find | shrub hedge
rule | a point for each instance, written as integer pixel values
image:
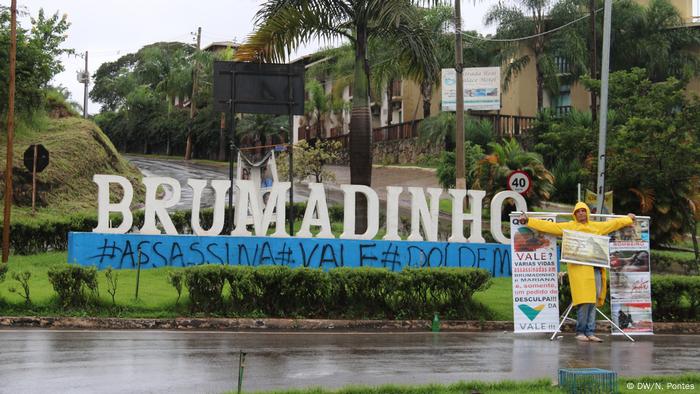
(279, 291)
(675, 298)
(70, 283)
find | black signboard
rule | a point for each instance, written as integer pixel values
(42, 158)
(259, 88)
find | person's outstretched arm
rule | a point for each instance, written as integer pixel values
(615, 224)
(544, 226)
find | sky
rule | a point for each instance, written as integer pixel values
(109, 29)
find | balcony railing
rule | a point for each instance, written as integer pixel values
(508, 125)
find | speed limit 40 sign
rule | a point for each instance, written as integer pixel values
(519, 182)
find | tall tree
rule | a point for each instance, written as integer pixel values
(523, 19)
(286, 24)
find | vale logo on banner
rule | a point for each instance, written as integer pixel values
(531, 312)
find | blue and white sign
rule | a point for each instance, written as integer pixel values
(121, 251)
(481, 85)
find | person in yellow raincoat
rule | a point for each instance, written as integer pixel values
(588, 283)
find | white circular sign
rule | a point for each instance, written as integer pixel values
(519, 182)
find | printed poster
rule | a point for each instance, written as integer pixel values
(481, 85)
(534, 275)
(630, 279)
(584, 248)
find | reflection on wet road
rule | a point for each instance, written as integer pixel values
(186, 362)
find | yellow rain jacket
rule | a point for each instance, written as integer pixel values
(581, 277)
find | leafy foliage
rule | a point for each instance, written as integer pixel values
(310, 161)
(38, 58)
(506, 157)
(446, 167)
(654, 152)
(23, 279)
(365, 292)
(70, 283)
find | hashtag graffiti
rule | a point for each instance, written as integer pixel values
(390, 257)
(107, 251)
(285, 255)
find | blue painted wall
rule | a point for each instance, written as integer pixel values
(120, 251)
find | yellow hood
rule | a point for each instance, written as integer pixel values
(580, 205)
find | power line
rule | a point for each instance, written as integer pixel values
(531, 36)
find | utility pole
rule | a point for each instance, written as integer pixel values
(188, 147)
(593, 61)
(605, 74)
(10, 134)
(86, 83)
(459, 116)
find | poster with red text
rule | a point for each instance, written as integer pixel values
(630, 279)
(534, 274)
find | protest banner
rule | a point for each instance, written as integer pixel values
(585, 248)
(630, 279)
(534, 273)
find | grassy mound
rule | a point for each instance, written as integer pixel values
(78, 149)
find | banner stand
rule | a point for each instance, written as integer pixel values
(566, 316)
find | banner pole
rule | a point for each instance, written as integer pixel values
(563, 319)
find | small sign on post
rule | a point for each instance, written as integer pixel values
(36, 158)
(519, 182)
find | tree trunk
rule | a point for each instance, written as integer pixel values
(390, 95)
(360, 130)
(694, 235)
(540, 86)
(426, 92)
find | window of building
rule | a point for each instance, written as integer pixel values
(562, 102)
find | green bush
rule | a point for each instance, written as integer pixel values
(205, 284)
(70, 282)
(280, 291)
(668, 261)
(3, 271)
(675, 298)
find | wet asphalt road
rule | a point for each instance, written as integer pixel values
(381, 177)
(206, 362)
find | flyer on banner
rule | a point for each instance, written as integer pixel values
(534, 275)
(585, 248)
(630, 279)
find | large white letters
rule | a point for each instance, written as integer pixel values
(220, 187)
(349, 212)
(155, 207)
(316, 203)
(104, 207)
(458, 216)
(248, 197)
(250, 210)
(497, 205)
(421, 214)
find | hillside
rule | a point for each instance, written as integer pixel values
(78, 149)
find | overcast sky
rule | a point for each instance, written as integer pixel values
(108, 29)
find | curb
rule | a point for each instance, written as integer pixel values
(245, 324)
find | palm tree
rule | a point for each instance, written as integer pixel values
(317, 107)
(506, 157)
(286, 24)
(525, 19)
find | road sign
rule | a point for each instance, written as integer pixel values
(519, 181)
(42, 158)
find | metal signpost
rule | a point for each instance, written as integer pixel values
(259, 88)
(36, 158)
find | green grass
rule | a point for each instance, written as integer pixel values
(498, 298)
(78, 149)
(156, 296)
(507, 386)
